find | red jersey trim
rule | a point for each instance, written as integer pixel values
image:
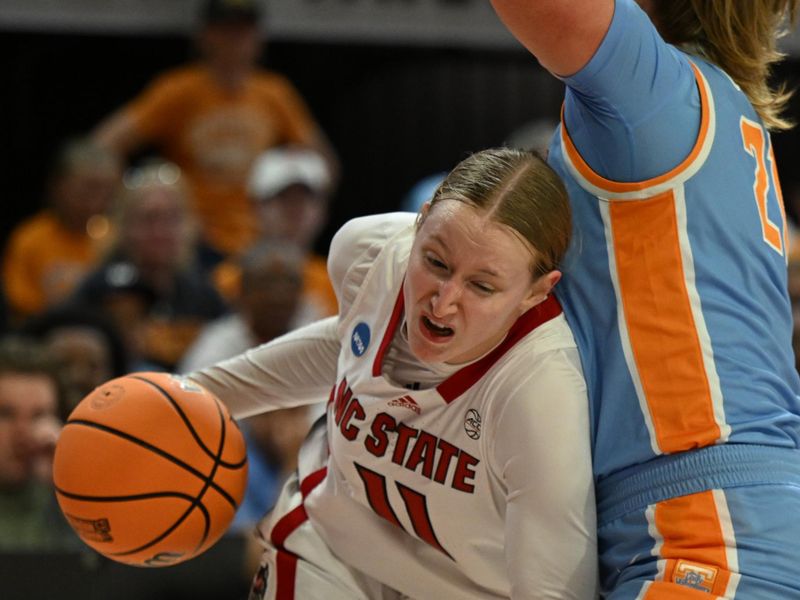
(286, 560)
(460, 381)
(394, 320)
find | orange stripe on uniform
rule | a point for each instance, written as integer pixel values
(693, 546)
(661, 328)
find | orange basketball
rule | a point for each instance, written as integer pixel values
(150, 469)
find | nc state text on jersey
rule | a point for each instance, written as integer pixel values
(413, 448)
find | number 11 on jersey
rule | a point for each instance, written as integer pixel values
(415, 503)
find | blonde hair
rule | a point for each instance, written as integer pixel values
(519, 190)
(739, 36)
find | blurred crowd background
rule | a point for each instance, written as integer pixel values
(170, 190)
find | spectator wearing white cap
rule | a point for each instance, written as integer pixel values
(289, 188)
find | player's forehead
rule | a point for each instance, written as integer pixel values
(467, 234)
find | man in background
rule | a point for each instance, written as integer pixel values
(29, 424)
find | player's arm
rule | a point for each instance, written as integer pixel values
(294, 369)
(541, 450)
(298, 367)
(562, 34)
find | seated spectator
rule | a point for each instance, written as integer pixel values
(289, 190)
(86, 346)
(150, 284)
(268, 305)
(50, 252)
(30, 407)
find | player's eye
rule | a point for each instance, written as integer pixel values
(434, 262)
(483, 288)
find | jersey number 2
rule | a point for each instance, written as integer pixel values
(755, 143)
(416, 505)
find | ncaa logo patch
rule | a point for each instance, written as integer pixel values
(359, 340)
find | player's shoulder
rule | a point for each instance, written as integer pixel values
(548, 350)
(356, 245)
(378, 227)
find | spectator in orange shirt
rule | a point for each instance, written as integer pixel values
(288, 188)
(214, 117)
(49, 253)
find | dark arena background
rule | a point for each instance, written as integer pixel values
(400, 94)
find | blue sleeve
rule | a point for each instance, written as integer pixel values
(633, 111)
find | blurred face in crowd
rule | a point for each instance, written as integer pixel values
(295, 213)
(84, 357)
(271, 294)
(468, 280)
(85, 192)
(231, 45)
(157, 227)
(28, 403)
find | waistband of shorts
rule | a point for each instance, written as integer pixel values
(714, 467)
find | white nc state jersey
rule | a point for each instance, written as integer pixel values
(434, 491)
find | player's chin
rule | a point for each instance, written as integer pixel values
(429, 351)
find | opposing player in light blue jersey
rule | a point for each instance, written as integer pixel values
(676, 287)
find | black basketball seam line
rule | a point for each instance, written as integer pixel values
(169, 530)
(196, 503)
(128, 498)
(188, 497)
(217, 461)
(156, 450)
(187, 422)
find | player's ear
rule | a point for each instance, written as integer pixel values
(539, 290)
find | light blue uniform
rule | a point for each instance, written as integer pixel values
(675, 287)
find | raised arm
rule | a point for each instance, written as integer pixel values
(562, 34)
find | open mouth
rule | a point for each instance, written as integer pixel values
(436, 330)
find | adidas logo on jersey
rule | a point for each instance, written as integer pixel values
(406, 402)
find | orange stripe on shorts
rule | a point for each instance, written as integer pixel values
(693, 547)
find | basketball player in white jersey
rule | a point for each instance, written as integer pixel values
(454, 459)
